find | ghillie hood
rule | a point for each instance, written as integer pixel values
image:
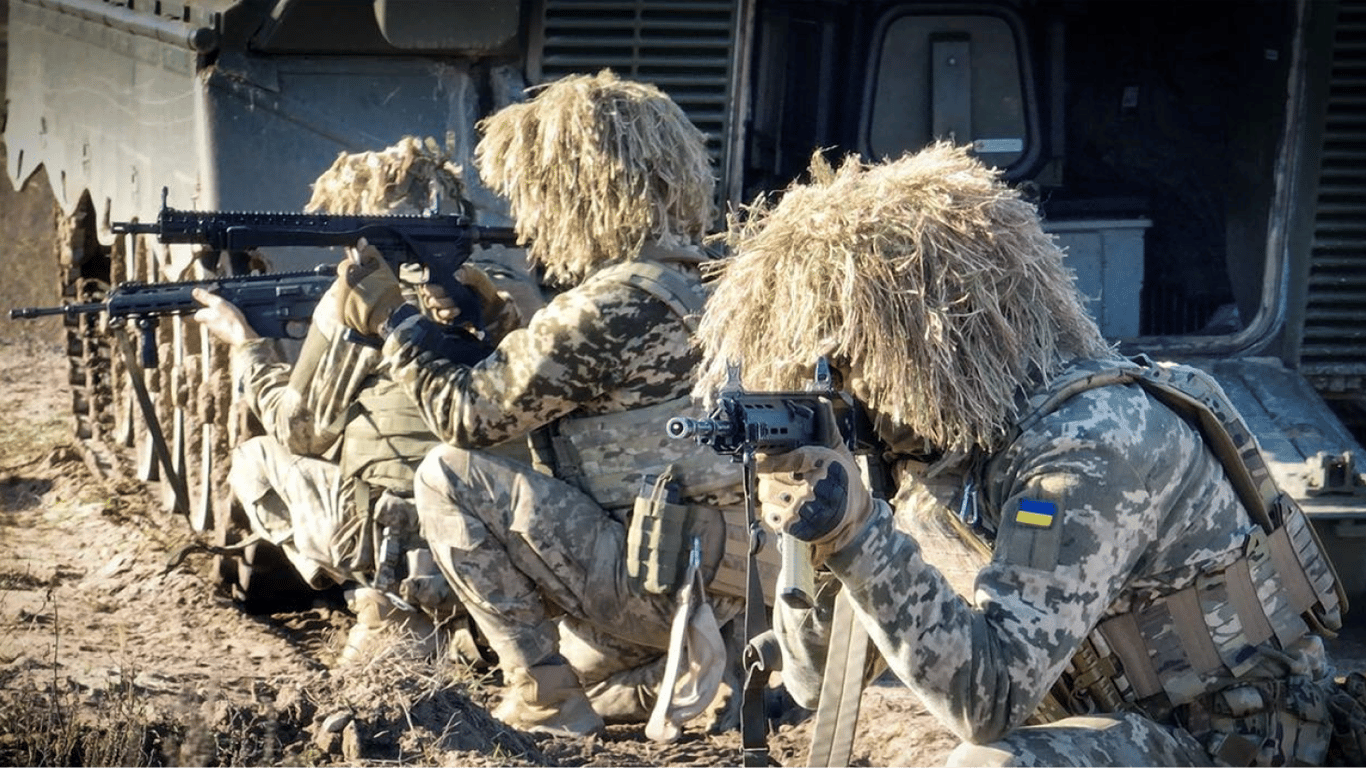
(593, 168)
(926, 280)
(403, 178)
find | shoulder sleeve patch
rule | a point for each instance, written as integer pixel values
(1031, 532)
(1036, 512)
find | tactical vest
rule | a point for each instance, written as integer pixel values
(381, 431)
(1279, 590)
(609, 455)
(385, 437)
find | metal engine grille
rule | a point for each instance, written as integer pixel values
(1333, 345)
(685, 47)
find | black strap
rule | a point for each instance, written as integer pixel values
(149, 414)
(760, 656)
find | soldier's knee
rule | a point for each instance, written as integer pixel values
(434, 476)
(249, 473)
(443, 499)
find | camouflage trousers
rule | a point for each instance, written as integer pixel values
(1116, 739)
(306, 507)
(521, 548)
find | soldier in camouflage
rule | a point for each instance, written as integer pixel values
(1065, 574)
(330, 483)
(611, 186)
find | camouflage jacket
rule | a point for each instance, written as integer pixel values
(335, 404)
(601, 347)
(309, 419)
(1140, 508)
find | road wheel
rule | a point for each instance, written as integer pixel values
(260, 578)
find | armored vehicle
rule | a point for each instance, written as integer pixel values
(1206, 176)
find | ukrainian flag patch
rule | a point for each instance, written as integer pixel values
(1036, 513)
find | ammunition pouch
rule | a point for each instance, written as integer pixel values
(659, 538)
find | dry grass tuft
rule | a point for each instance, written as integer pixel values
(428, 709)
(594, 167)
(926, 279)
(48, 719)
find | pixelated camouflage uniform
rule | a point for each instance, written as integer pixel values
(345, 430)
(340, 433)
(1143, 510)
(519, 545)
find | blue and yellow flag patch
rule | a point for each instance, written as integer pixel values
(1036, 513)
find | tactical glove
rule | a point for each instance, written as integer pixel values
(815, 494)
(367, 290)
(500, 315)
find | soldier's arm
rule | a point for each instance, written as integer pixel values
(303, 406)
(982, 667)
(260, 378)
(580, 350)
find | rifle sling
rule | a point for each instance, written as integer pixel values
(758, 664)
(832, 738)
(182, 495)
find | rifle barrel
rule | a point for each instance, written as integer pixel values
(70, 310)
(135, 228)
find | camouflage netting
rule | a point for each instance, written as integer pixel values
(398, 179)
(927, 279)
(593, 168)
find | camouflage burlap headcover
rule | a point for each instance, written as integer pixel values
(400, 179)
(927, 280)
(593, 168)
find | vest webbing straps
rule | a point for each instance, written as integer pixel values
(668, 285)
(1172, 650)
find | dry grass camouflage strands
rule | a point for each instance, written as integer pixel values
(593, 168)
(401, 179)
(927, 279)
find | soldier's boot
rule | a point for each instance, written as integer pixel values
(627, 696)
(385, 629)
(547, 698)
(466, 646)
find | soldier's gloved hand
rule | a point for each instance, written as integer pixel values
(500, 315)
(815, 494)
(223, 319)
(367, 290)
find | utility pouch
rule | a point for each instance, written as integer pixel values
(656, 540)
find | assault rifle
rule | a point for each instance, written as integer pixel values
(277, 305)
(440, 243)
(741, 425)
